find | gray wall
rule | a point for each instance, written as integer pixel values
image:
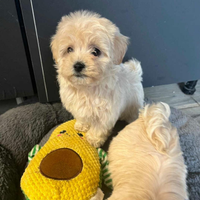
(164, 34)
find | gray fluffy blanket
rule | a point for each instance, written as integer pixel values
(20, 129)
(23, 127)
(189, 133)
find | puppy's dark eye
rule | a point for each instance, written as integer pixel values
(69, 49)
(96, 52)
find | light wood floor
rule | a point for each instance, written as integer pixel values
(171, 94)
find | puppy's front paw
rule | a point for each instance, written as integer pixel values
(94, 140)
(81, 127)
(99, 195)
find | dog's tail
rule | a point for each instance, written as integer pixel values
(135, 66)
(171, 175)
(158, 128)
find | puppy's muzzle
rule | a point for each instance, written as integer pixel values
(78, 67)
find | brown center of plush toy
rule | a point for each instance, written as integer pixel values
(61, 164)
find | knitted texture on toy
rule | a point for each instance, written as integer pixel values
(83, 187)
(105, 174)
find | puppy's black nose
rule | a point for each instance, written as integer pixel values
(79, 66)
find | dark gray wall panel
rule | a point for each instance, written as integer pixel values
(164, 34)
(15, 79)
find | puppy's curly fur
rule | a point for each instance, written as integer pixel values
(146, 160)
(94, 86)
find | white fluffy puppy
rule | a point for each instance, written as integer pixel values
(94, 86)
(146, 161)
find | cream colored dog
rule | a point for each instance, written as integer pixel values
(146, 161)
(94, 86)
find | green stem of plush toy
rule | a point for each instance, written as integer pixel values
(105, 174)
(33, 152)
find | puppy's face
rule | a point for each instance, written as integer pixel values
(85, 46)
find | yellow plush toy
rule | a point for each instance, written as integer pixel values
(67, 167)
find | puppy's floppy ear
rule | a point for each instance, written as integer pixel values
(120, 47)
(55, 38)
(119, 41)
(158, 128)
(54, 48)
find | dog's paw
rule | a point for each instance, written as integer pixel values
(99, 195)
(81, 127)
(94, 140)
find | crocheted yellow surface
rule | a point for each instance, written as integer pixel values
(47, 177)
